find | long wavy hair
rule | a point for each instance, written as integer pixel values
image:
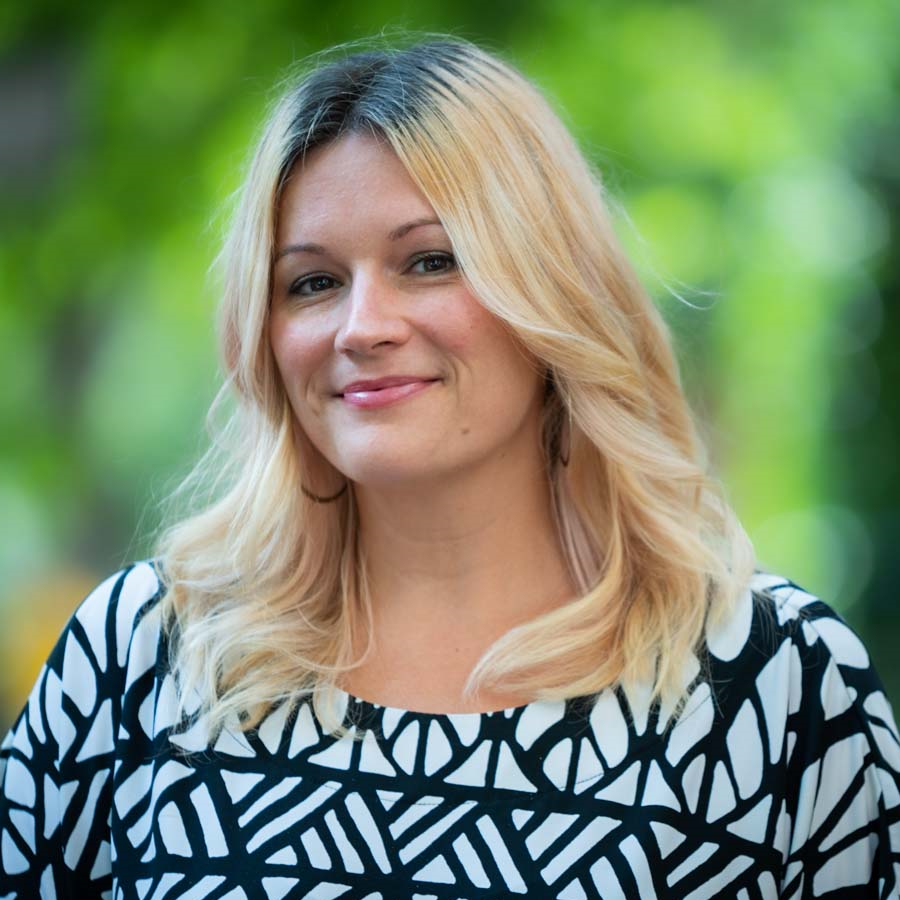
(265, 587)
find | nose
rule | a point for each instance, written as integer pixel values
(372, 317)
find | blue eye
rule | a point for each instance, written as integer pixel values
(433, 263)
(310, 285)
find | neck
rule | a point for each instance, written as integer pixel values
(479, 551)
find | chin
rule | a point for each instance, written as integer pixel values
(388, 469)
(390, 475)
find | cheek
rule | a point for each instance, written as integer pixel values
(499, 383)
(465, 328)
(297, 353)
(500, 356)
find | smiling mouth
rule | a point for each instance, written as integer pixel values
(380, 384)
(371, 395)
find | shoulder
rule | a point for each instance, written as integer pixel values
(829, 650)
(63, 744)
(843, 749)
(112, 636)
(798, 750)
(794, 659)
(113, 611)
(122, 611)
(773, 610)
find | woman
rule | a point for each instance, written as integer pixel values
(466, 616)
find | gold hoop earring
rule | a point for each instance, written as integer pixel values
(316, 498)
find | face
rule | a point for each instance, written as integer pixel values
(395, 372)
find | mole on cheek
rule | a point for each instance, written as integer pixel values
(465, 431)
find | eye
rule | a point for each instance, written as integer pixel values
(433, 263)
(310, 285)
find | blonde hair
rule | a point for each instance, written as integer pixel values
(264, 586)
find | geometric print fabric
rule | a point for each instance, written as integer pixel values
(780, 778)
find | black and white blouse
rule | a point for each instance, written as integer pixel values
(780, 779)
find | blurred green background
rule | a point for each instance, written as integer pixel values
(754, 149)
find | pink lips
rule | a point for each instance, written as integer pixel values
(383, 391)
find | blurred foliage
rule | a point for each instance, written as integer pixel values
(752, 151)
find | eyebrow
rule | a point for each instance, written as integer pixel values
(404, 230)
(395, 235)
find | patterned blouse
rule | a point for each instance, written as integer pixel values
(781, 778)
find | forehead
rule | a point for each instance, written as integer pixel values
(357, 176)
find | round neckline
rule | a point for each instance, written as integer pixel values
(507, 712)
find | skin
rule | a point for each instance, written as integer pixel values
(453, 496)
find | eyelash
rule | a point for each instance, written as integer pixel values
(445, 257)
(297, 287)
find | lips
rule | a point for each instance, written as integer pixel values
(380, 384)
(378, 392)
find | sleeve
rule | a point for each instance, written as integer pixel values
(56, 762)
(844, 807)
